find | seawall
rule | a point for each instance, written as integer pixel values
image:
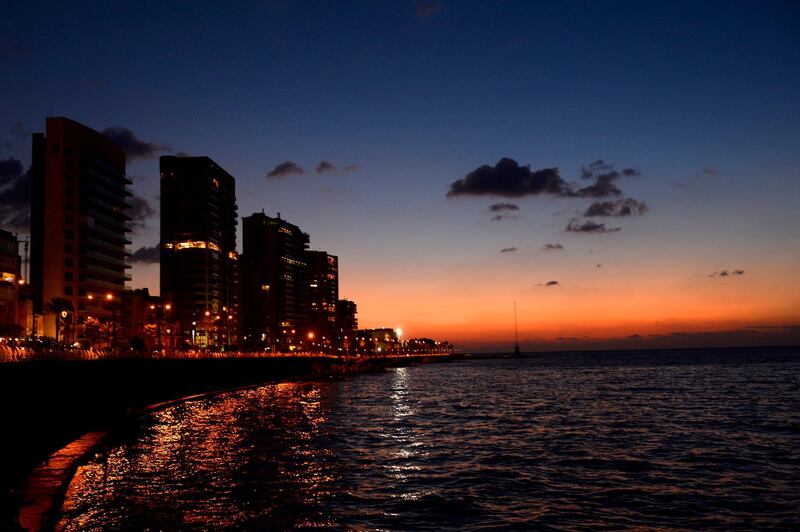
(45, 405)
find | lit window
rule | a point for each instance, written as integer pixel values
(194, 244)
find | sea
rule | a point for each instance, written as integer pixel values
(659, 440)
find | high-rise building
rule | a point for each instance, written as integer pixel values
(323, 283)
(274, 282)
(199, 263)
(346, 325)
(79, 223)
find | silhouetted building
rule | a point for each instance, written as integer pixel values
(346, 325)
(379, 340)
(79, 221)
(199, 263)
(274, 282)
(323, 284)
(9, 285)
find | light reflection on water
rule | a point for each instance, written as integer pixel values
(566, 443)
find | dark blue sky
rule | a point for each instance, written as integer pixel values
(419, 94)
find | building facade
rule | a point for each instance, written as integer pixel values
(79, 225)
(323, 290)
(10, 281)
(346, 325)
(199, 262)
(274, 283)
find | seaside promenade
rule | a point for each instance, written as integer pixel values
(65, 398)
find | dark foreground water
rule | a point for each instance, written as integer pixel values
(692, 440)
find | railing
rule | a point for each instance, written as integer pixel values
(19, 353)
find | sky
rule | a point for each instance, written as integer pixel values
(627, 172)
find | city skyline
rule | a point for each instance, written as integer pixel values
(661, 197)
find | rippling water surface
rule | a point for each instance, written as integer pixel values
(693, 440)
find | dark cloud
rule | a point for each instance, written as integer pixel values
(351, 168)
(499, 217)
(15, 196)
(507, 178)
(146, 255)
(286, 169)
(133, 146)
(577, 225)
(552, 247)
(710, 170)
(726, 273)
(325, 166)
(508, 250)
(618, 208)
(10, 169)
(429, 8)
(598, 265)
(605, 177)
(140, 212)
(551, 283)
(500, 207)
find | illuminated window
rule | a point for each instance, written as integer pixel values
(232, 255)
(194, 244)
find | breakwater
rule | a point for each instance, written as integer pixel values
(48, 404)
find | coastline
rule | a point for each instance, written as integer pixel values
(34, 491)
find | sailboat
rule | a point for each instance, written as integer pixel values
(516, 332)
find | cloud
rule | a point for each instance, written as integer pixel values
(500, 207)
(508, 250)
(726, 273)
(140, 212)
(351, 168)
(710, 170)
(499, 217)
(134, 147)
(553, 247)
(618, 208)
(598, 265)
(508, 179)
(577, 225)
(286, 169)
(15, 196)
(146, 255)
(325, 166)
(551, 283)
(605, 177)
(429, 8)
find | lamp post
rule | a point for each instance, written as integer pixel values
(112, 307)
(160, 311)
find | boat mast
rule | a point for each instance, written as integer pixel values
(516, 333)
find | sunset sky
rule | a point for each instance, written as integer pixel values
(690, 109)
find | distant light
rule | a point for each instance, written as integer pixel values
(311, 335)
(168, 306)
(90, 296)
(109, 296)
(399, 331)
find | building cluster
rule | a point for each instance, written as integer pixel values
(276, 295)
